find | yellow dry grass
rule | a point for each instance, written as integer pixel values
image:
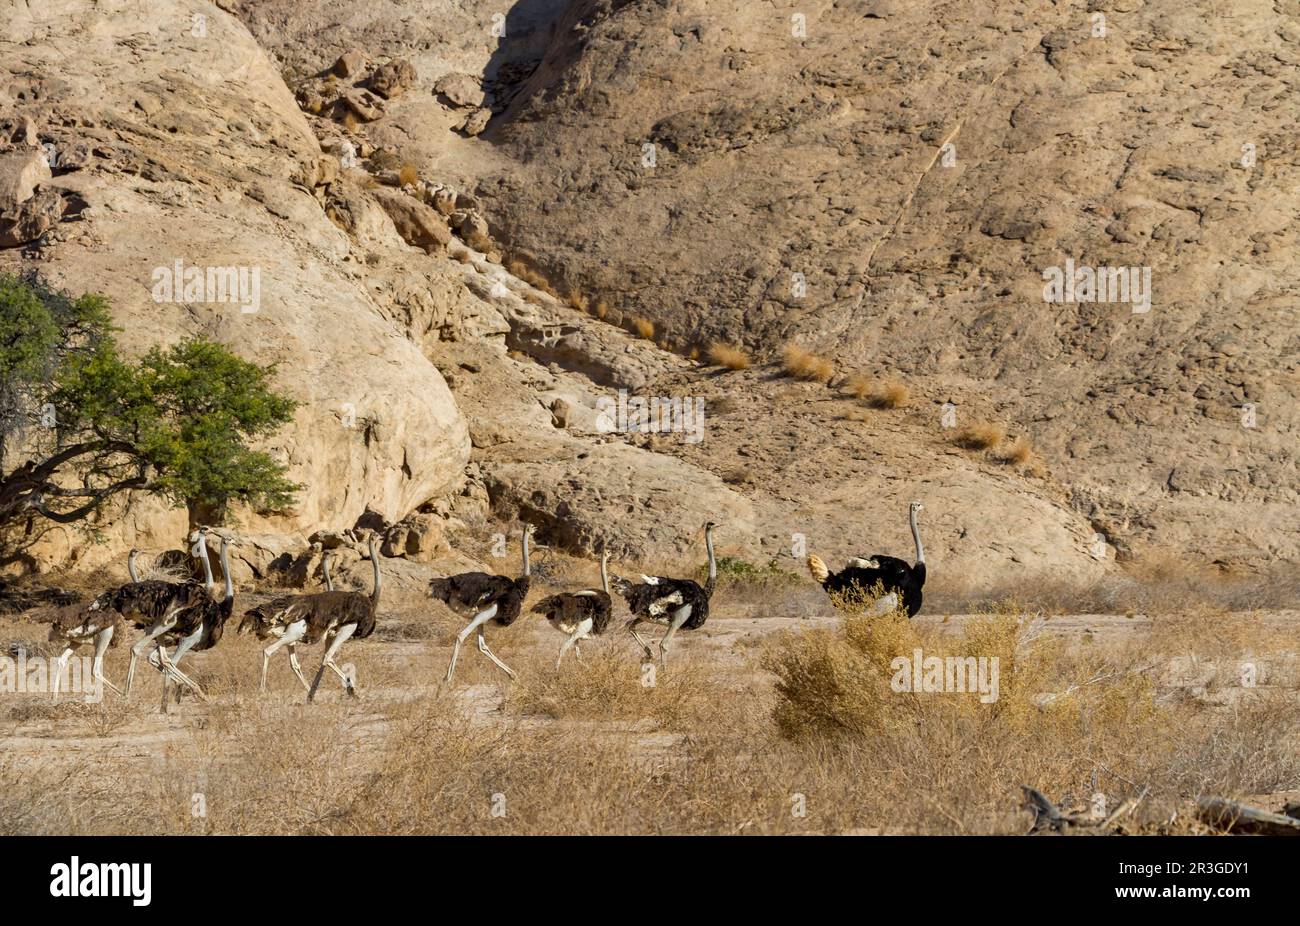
(878, 393)
(725, 355)
(980, 435)
(643, 327)
(732, 737)
(801, 363)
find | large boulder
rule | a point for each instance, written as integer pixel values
(207, 150)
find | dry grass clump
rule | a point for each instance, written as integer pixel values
(643, 327)
(578, 300)
(1018, 452)
(804, 364)
(1086, 719)
(725, 355)
(878, 393)
(981, 435)
(407, 175)
(532, 277)
(608, 685)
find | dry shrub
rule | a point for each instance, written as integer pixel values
(878, 393)
(725, 355)
(607, 685)
(407, 175)
(578, 301)
(349, 120)
(643, 327)
(1019, 452)
(803, 364)
(602, 309)
(980, 435)
(1067, 720)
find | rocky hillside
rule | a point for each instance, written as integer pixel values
(416, 182)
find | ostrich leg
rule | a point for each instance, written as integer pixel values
(182, 648)
(479, 620)
(483, 648)
(680, 617)
(328, 660)
(152, 634)
(296, 666)
(580, 632)
(631, 626)
(292, 635)
(59, 665)
(102, 639)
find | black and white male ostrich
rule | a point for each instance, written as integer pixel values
(483, 597)
(901, 582)
(333, 616)
(199, 628)
(682, 604)
(579, 614)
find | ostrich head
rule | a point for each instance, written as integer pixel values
(915, 507)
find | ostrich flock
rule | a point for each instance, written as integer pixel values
(187, 615)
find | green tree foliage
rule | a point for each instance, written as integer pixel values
(79, 423)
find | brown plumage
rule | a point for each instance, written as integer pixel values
(333, 616)
(567, 610)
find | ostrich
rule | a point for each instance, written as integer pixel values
(682, 604)
(325, 570)
(200, 627)
(333, 616)
(901, 582)
(76, 624)
(579, 614)
(154, 606)
(486, 597)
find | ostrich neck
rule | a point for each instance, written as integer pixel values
(202, 547)
(604, 572)
(916, 537)
(130, 566)
(225, 568)
(374, 563)
(325, 568)
(708, 545)
(526, 566)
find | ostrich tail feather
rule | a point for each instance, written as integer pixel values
(818, 568)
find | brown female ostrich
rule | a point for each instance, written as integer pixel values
(483, 597)
(73, 626)
(154, 607)
(579, 614)
(335, 617)
(200, 628)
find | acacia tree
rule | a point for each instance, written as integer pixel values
(79, 424)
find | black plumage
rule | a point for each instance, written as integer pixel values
(581, 614)
(474, 591)
(888, 574)
(567, 610)
(484, 598)
(655, 599)
(682, 604)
